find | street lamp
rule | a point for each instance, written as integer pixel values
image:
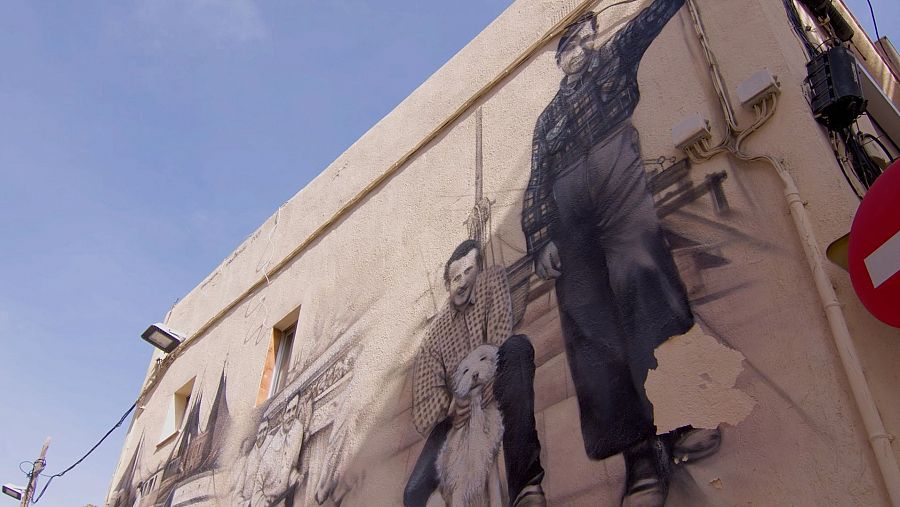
(162, 337)
(13, 491)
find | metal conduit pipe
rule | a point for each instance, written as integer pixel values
(878, 437)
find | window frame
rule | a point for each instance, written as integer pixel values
(278, 359)
(176, 415)
(282, 365)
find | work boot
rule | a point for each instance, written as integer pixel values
(692, 444)
(647, 471)
(531, 496)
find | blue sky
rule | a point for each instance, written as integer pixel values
(140, 143)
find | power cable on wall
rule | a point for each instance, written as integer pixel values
(875, 24)
(108, 433)
(799, 30)
(865, 169)
(830, 64)
(842, 162)
(879, 439)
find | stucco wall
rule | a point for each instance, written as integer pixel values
(369, 286)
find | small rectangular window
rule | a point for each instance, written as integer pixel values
(178, 407)
(282, 360)
(278, 358)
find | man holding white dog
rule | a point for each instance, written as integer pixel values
(478, 312)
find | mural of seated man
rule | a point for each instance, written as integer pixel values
(477, 312)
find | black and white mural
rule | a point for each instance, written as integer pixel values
(519, 369)
(591, 225)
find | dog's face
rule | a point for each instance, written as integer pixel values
(475, 370)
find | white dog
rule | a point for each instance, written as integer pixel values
(467, 464)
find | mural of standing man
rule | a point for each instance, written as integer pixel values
(590, 223)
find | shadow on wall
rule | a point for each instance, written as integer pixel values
(189, 470)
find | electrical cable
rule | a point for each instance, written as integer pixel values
(794, 18)
(875, 139)
(879, 440)
(862, 163)
(875, 24)
(841, 160)
(50, 479)
(610, 6)
(716, 75)
(27, 472)
(879, 129)
(827, 42)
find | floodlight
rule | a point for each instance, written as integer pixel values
(162, 337)
(14, 491)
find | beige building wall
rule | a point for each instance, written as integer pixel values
(361, 252)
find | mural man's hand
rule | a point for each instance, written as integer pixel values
(548, 265)
(461, 411)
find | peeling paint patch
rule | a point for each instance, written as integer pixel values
(694, 383)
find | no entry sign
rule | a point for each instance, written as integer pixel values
(874, 251)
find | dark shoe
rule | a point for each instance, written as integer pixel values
(647, 470)
(693, 444)
(531, 496)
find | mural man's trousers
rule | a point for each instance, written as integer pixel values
(514, 392)
(619, 294)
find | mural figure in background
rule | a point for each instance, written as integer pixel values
(477, 312)
(278, 474)
(590, 223)
(244, 475)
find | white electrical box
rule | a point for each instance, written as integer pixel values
(758, 86)
(690, 130)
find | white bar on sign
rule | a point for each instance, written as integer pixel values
(884, 262)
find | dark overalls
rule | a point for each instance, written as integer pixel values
(620, 295)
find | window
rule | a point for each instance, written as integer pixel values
(181, 400)
(278, 359)
(282, 360)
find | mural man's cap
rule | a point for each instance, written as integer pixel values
(573, 29)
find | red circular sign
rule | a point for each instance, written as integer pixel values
(874, 251)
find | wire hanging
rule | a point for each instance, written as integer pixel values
(50, 479)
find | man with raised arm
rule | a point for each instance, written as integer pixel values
(590, 223)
